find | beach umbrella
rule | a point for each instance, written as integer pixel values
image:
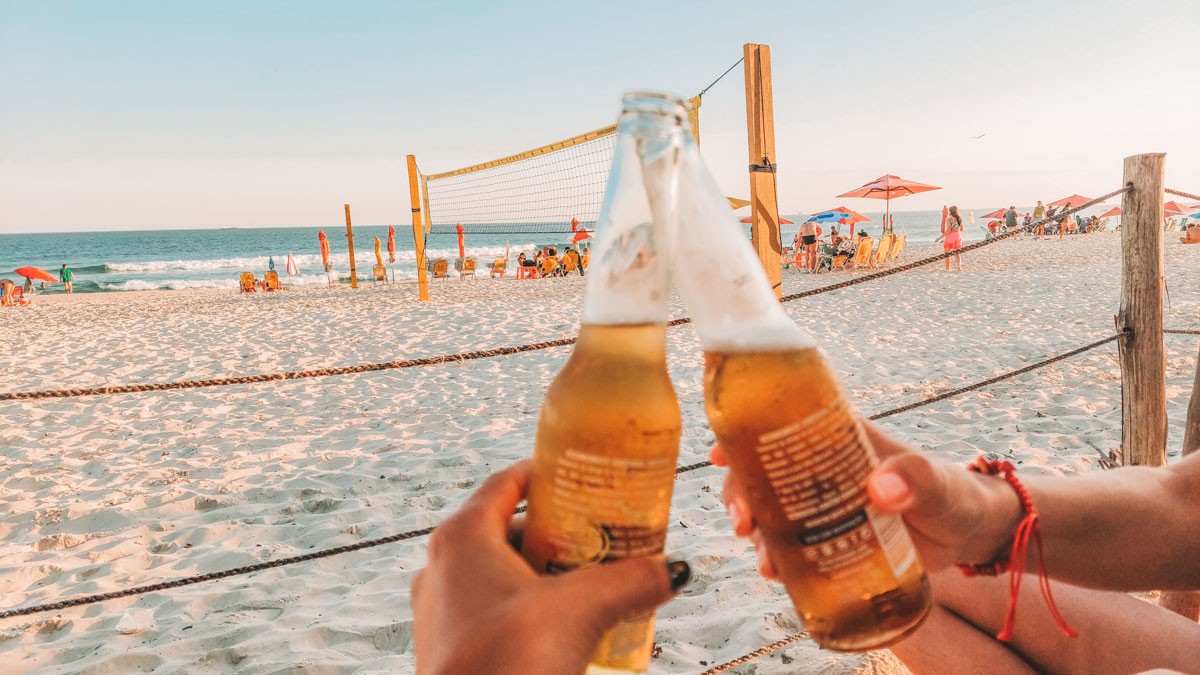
(462, 251)
(291, 267)
(580, 235)
(574, 224)
(391, 244)
(1073, 200)
(324, 254)
(736, 203)
(841, 215)
(378, 252)
(1173, 208)
(994, 215)
(1114, 211)
(30, 272)
(782, 220)
(887, 188)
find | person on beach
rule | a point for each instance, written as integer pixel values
(572, 253)
(7, 290)
(1010, 219)
(952, 238)
(66, 277)
(479, 607)
(28, 288)
(1065, 223)
(1039, 214)
(808, 244)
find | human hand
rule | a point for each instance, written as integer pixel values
(953, 515)
(479, 607)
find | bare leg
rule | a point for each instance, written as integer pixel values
(1117, 632)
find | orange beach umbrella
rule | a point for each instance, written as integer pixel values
(324, 251)
(391, 244)
(30, 272)
(888, 187)
(378, 255)
(1073, 200)
(782, 220)
(1114, 211)
(462, 250)
(1175, 208)
(998, 213)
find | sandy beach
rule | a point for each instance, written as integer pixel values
(105, 492)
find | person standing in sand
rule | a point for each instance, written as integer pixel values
(7, 287)
(66, 277)
(1039, 213)
(952, 240)
(1010, 219)
(808, 244)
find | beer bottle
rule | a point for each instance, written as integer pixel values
(786, 424)
(608, 435)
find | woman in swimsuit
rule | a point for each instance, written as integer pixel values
(953, 240)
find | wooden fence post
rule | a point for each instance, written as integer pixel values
(1187, 603)
(350, 245)
(1143, 360)
(760, 128)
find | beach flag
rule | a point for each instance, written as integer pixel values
(462, 250)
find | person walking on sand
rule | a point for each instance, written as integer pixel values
(1010, 219)
(66, 277)
(808, 243)
(1039, 213)
(952, 240)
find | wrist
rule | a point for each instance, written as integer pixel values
(997, 524)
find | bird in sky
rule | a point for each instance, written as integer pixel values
(979, 136)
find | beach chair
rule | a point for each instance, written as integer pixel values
(549, 266)
(570, 264)
(885, 247)
(468, 267)
(18, 297)
(838, 263)
(247, 283)
(379, 272)
(587, 256)
(441, 269)
(862, 255)
(271, 281)
(499, 265)
(897, 248)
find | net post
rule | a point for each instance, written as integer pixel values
(1143, 358)
(350, 246)
(414, 195)
(425, 201)
(760, 127)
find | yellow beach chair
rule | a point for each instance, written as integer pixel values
(441, 269)
(468, 267)
(499, 266)
(271, 281)
(897, 248)
(884, 249)
(862, 254)
(379, 272)
(247, 283)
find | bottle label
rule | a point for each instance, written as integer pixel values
(818, 468)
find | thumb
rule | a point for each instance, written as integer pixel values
(619, 590)
(909, 483)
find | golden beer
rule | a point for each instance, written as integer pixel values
(604, 468)
(802, 458)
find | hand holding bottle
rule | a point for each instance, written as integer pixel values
(479, 607)
(953, 515)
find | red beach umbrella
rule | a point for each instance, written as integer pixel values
(574, 224)
(462, 250)
(580, 235)
(998, 213)
(1173, 208)
(30, 272)
(324, 249)
(391, 244)
(887, 188)
(1114, 211)
(782, 220)
(1073, 200)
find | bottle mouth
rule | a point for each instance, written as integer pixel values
(654, 102)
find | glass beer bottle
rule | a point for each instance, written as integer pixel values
(787, 427)
(608, 435)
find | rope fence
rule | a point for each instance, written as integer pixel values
(1178, 193)
(413, 534)
(502, 351)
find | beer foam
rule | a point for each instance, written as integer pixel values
(765, 336)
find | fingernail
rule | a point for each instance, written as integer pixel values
(680, 573)
(736, 515)
(890, 487)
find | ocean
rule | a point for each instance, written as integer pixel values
(214, 258)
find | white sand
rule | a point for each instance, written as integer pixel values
(104, 492)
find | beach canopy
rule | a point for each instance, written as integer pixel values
(462, 250)
(1073, 200)
(841, 215)
(391, 244)
(1173, 208)
(888, 187)
(782, 220)
(30, 272)
(1114, 211)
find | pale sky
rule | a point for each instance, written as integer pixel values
(127, 114)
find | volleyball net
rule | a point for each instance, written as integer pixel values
(546, 191)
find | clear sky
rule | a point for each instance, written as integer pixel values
(128, 114)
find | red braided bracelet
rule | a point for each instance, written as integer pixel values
(1015, 563)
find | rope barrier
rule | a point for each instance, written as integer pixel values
(499, 351)
(1178, 193)
(371, 543)
(1176, 331)
(755, 654)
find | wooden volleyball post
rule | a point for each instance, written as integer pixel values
(760, 129)
(414, 195)
(1143, 359)
(350, 245)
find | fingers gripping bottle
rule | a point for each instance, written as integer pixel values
(608, 435)
(787, 426)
